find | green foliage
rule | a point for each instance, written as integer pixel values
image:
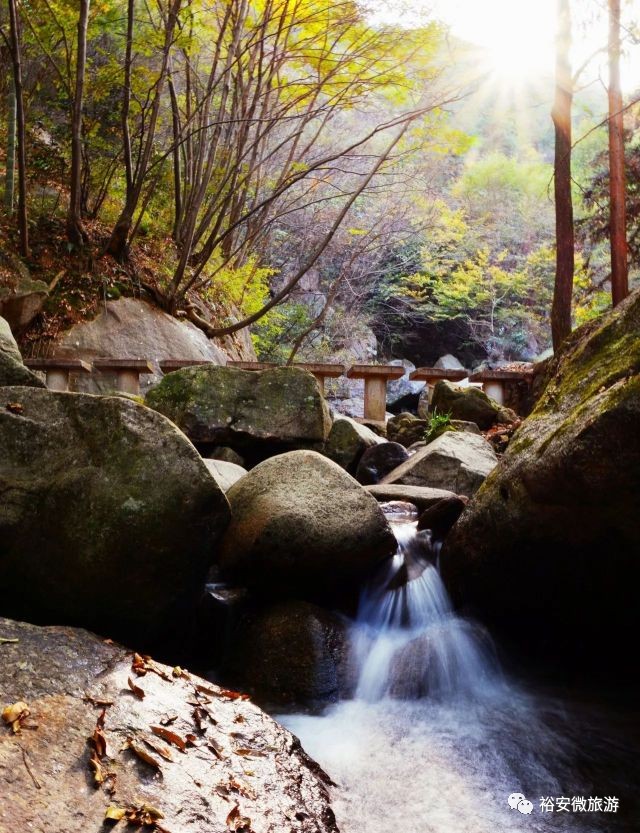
(438, 425)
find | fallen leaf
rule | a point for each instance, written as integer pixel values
(145, 816)
(139, 693)
(142, 753)
(205, 690)
(159, 749)
(99, 775)
(237, 822)
(6, 641)
(15, 407)
(15, 714)
(99, 741)
(233, 695)
(170, 737)
(216, 749)
(180, 672)
(115, 813)
(95, 702)
(167, 721)
(246, 752)
(142, 664)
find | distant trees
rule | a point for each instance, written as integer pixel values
(15, 41)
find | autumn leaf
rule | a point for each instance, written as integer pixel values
(216, 749)
(233, 695)
(158, 748)
(237, 822)
(16, 714)
(99, 775)
(115, 813)
(142, 753)
(15, 407)
(170, 737)
(138, 692)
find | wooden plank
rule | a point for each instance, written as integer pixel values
(251, 365)
(73, 365)
(433, 374)
(139, 365)
(381, 371)
(169, 365)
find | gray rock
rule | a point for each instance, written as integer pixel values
(132, 328)
(226, 454)
(398, 388)
(378, 461)
(63, 674)
(109, 517)
(441, 517)
(256, 413)
(348, 440)
(21, 297)
(406, 429)
(225, 474)
(291, 652)
(558, 519)
(462, 425)
(421, 496)
(12, 370)
(301, 523)
(449, 362)
(458, 462)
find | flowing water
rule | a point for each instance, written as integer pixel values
(435, 739)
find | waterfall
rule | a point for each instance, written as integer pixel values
(407, 642)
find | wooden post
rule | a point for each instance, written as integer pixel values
(375, 387)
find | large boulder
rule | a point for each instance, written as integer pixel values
(301, 523)
(548, 550)
(290, 652)
(21, 297)
(105, 734)
(468, 403)
(12, 370)
(256, 413)
(348, 440)
(108, 518)
(378, 461)
(457, 461)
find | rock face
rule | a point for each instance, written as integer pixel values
(131, 328)
(225, 474)
(300, 523)
(469, 404)
(241, 770)
(291, 652)
(378, 461)
(348, 440)
(12, 370)
(441, 517)
(548, 550)
(457, 461)
(256, 413)
(108, 517)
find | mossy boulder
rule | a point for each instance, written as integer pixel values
(407, 429)
(12, 369)
(548, 550)
(301, 524)
(347, 442)
(21, 297)
(470, 404)
(108, 519)
(257, 414)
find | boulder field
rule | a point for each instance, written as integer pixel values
(109, 518)
(549, 549)
(110, 735)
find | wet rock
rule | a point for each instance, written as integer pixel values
(257, 413)
(238, 764)
(558, 519)
(225, 474)
(458, 462)
(406, 429)
(348, 440)
(378, 461)
(469, 404)
(12, 369)
(291, 652)
(441, 517)
(109, 517)
(301, 523)
(421, 496)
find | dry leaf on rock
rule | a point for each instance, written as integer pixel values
(170, 737)
(16, 714)
(137, 691)
(238, 822)
(142, 753)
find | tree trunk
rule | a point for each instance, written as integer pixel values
(10, 177)
(75, 233)
(561, 115)
(617, 179)
(16, 60)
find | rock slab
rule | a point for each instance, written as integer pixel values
(207, 773)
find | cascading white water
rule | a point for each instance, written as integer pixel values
(407, 641)
(435, 741)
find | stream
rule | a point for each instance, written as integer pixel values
(438, 740)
